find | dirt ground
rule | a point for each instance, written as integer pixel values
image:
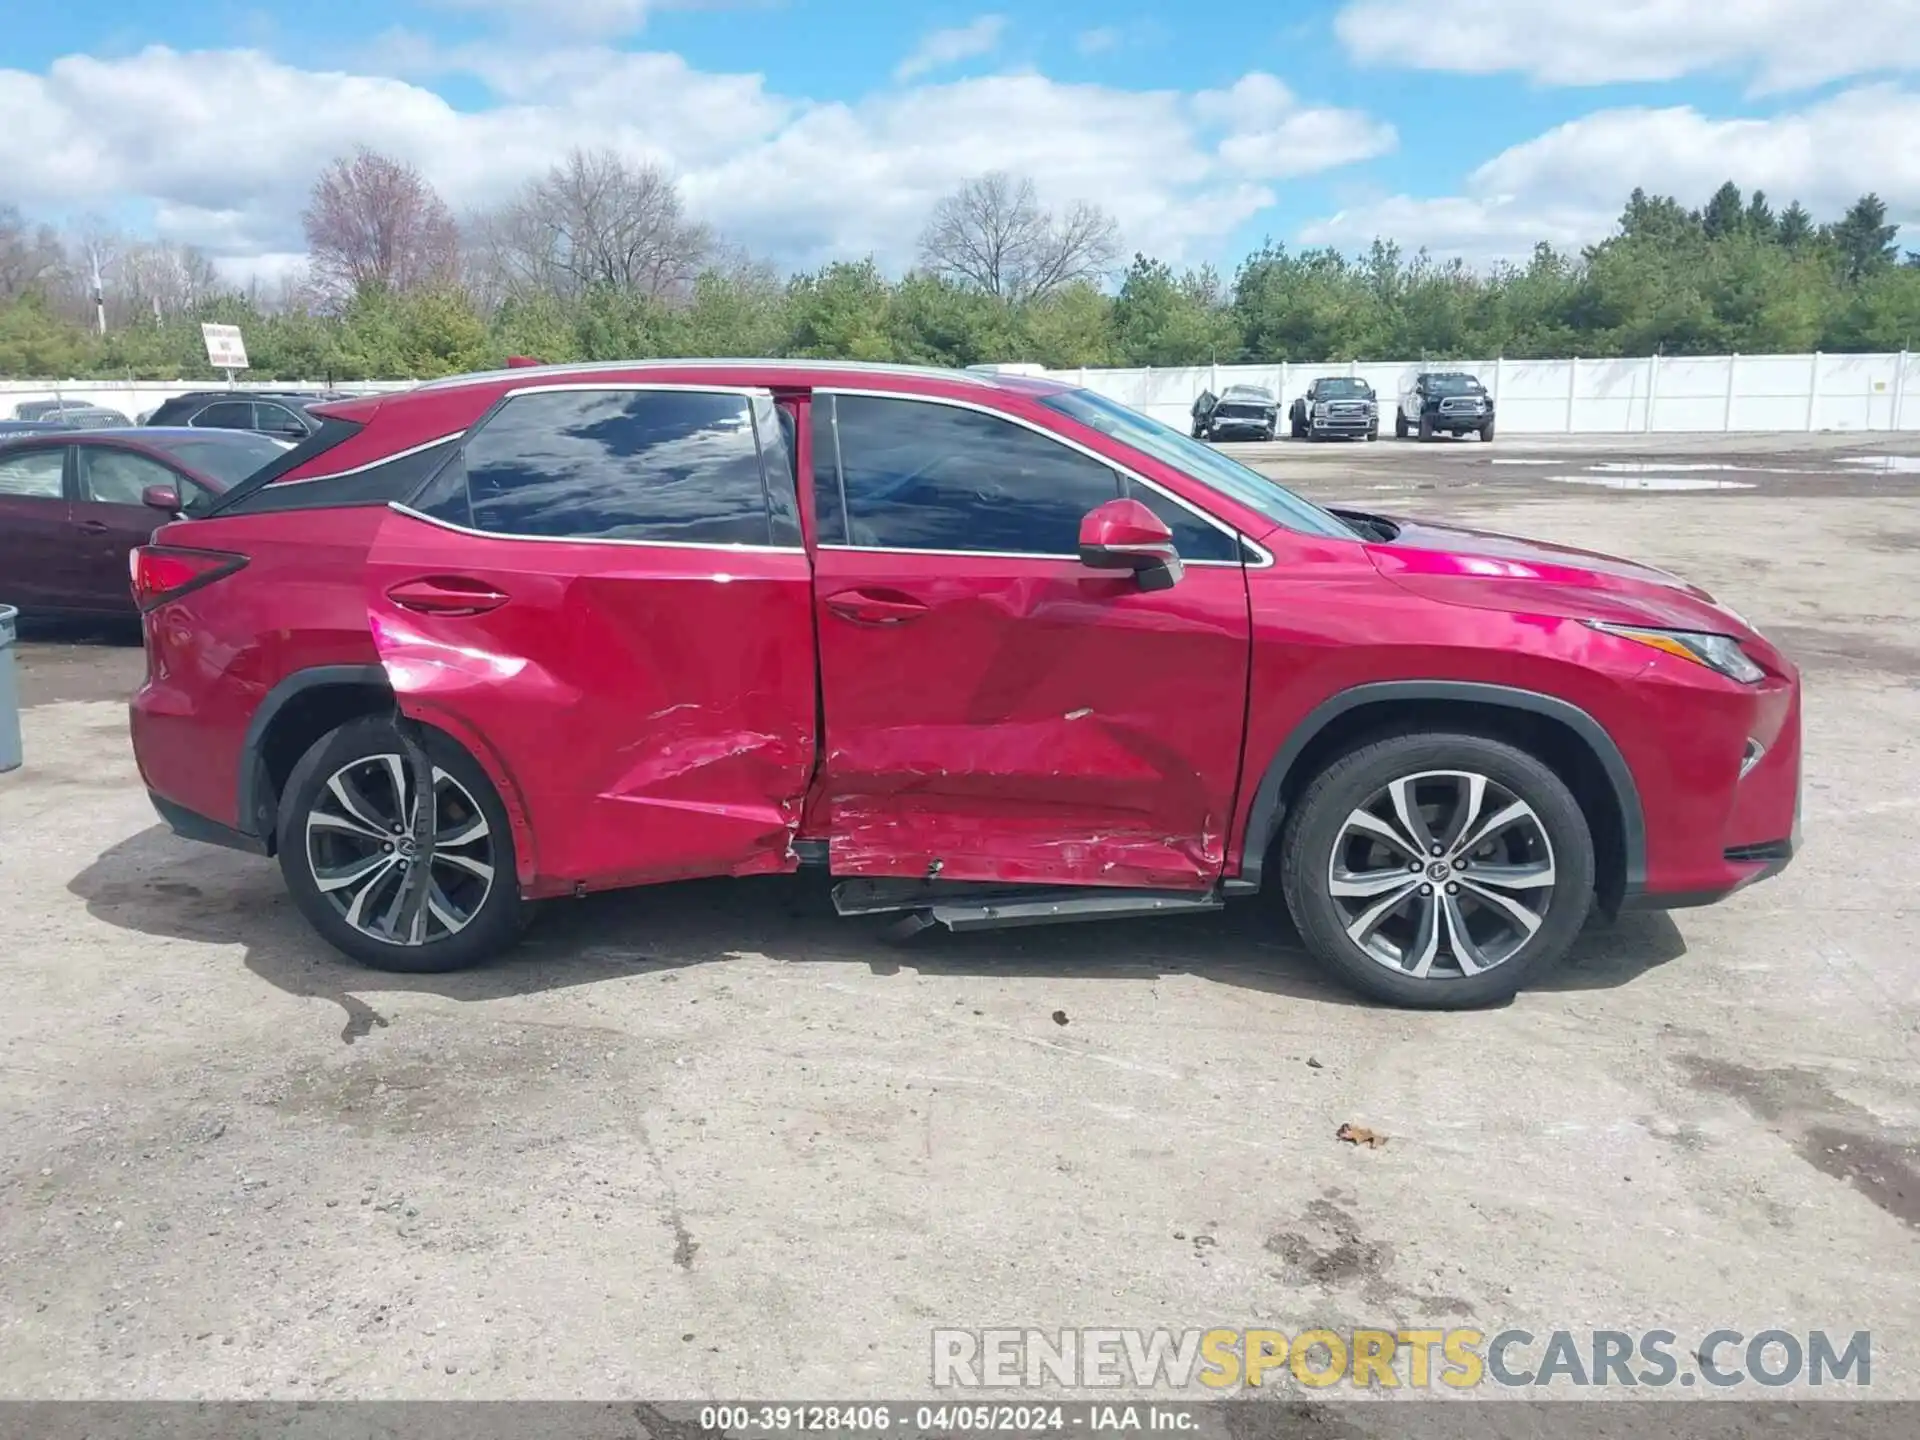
(711, 1141)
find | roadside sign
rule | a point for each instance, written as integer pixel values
(225, 349)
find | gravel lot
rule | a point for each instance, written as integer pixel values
(709, 1140)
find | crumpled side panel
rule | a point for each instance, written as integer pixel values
(655, 707)
(1031, 721)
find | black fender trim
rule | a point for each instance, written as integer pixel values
(255, 810)
(1263, 821)
(191, 825)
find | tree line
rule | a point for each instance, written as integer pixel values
(599, 259)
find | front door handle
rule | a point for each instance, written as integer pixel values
(446, 595)
(94, 527)
(875, 607)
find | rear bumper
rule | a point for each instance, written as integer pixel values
(189, 825)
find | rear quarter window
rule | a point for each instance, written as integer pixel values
(673, 466)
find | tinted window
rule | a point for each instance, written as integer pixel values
(921, 476)
(614, 465)
(228, 460)
(117, 477)
(226, 415)
(277, 419)
(775, 428)
(1201, 462)
(1193, 537)
(33, 472)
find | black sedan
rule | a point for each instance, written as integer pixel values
(74, 503)
(1244, 412)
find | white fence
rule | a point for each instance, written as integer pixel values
(1650, 395)
(1617, 397)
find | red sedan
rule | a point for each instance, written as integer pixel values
(74, 503)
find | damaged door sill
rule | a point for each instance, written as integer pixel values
(962, 906)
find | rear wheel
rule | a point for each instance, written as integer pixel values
(386, 879)
(1438, 871)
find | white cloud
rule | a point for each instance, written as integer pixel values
(1099, 40)
(1569, 185)
(798, 180)
(1271, 136)
(579, 17)
(942, 48)
(1780, 44)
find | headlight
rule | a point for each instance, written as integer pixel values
(1716, 652)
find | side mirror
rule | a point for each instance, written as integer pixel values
(1126, 535)
(162, 497)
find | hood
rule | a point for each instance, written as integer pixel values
(1490, 571)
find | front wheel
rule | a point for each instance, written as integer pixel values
(1373, 432)
(387, 878)
(1400, 425)
(1486, 432)
(1426, 429)
(1438, 871)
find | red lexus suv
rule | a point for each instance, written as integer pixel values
(993, 651)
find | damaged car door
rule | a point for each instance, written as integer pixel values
(607, 583)
(995, 709)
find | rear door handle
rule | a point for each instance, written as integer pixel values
(446, 595)
(875, 607)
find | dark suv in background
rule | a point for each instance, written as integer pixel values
(1443, 402)
(282, 414)
(1245, 411)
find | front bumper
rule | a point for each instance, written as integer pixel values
(1342, 424)
(1241, 425)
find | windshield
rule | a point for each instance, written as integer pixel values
(1202, 462)
(226, 462)
(1454, 385)
(1341, 389)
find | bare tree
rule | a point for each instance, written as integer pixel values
(595, 219)
(30, 255)
(375, 222)
(993, 233)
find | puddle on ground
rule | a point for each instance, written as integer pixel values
(1898, 464)
(1651, 482)
(1649, 467)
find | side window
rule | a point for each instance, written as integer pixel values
(115, 477)
(1193, 537)
(34, 473)
(276, 420)
(612, 465)
(917, 475)
(226, 415)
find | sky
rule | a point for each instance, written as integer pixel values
(814, 130)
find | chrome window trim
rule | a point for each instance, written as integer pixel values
(750, 392)
(400, 507)
(784, 366)
(1266, 556)
(371, 464)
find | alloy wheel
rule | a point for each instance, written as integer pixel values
(387, 877)
(1442, 874)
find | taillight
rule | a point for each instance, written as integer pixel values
(166, 572)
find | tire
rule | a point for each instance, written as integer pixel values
(322, 828)
(1486, 433)
(1268, 434)
(1320, 835)
(1426, 429)
(1399, 424)
(1373, 432)
(1299, 428)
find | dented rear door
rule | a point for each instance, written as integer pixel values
(606, 595)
